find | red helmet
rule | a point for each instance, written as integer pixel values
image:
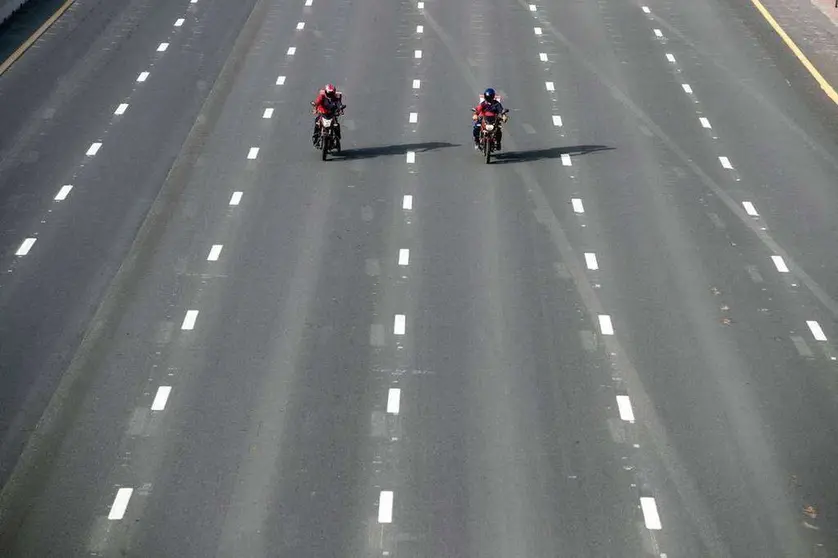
(330, 90)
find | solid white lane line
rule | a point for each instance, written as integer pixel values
(393, 400)
(269, 112)
(557, 120)
(646, 10)
(385, 507)
(687, 88)
(63, 192)
(605, 324)
(94, 148)
(725, 162)
(121, 108)
(658, 33)
(566, 160)
(189, 320)
(816, 330)
(543, 56)
(404, 256)
(25, 246)
(590, 261)
(417, 54)
(411, 157)
(549, 85)
(280, 80)
(120, 503)
(750, 209)
(398, 324)
(142, 77)
(291, 51)
(236, 198)
(253, 153)
(577, 205)
(624, 405)
(160, 399)
(670, 57)
(179, 22)
(650, 513)
(537, 30)
(162, 47)
(214, 252)
(420, 29)
(407, 203)
(416, 84)
(780, 263)
(414, 117)
(704, 122)
(301, 25)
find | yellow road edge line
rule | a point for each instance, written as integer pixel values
(35, 36)
(828, 89)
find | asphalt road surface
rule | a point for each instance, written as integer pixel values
(616, 340)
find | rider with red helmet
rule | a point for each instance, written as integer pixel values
(328, 100)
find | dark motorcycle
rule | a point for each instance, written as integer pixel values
(489, 127)
(329, 137)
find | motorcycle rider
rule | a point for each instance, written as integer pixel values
(489, 106)
(328, 100)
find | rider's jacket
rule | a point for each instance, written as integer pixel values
(487, 108)
(325, 105)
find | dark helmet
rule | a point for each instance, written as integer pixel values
(489, 94)
(330, 91)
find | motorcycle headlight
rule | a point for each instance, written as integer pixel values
(327, 122)
(490, 127)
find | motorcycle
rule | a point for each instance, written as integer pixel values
(489, 127)
(329, 137)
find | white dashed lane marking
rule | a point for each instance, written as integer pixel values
(253, 153)
(646, 10)
(407, 202)
(750, 209)
(658, 33)
(650, 513)
(301, 25)
(404, 256)
(557, 120)
(25, 246)
(280, 80)
(670, 57)
(704, 122)
(780, 264)
(63, 192)
(385, 507)
(420, 29)
(413, 117)
(624, 406)
(215, 252)
(161, 398)
(236, 198)
(309, 2)
(590, 261)
(398, 324)
(121, 109)
(94, 148)
(393, 400)
(420, 5)
(605, 324)
(411, 157)
(416, 84)
(269, 112)
(687, 88)
(120, 503)
(537, 30)
(189, 320)
(532, 7)
(577, 205)
(549, 85)
(543, 56)
(417, 54)
(142, 77)
(162, 47)
(179, 22)
(291, 51)
(725, 162)
(566, 160)
(816, 330)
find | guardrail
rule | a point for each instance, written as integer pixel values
(8, 7)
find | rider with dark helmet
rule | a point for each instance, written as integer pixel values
(489, 106)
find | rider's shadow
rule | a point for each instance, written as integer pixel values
(388, 150)
(529, 156)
